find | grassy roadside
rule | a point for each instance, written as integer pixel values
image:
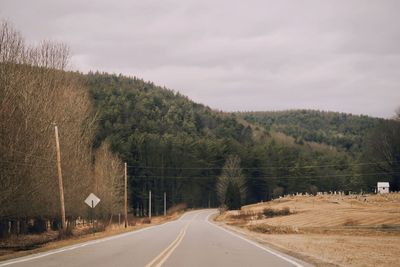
(7, 254)
(326, 230)
(268, 243)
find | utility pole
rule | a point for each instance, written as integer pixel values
(126, 196)
(165, 203)
(60, 180)
(150, 204)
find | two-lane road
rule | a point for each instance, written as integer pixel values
(191, 241)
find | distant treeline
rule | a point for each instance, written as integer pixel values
(341, 130)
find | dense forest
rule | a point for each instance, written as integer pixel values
(176, 146)
(196, 155)
(341, 130)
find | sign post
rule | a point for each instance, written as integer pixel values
(92, 200)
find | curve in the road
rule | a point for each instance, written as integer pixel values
(192, 240)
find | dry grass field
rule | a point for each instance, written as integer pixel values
(327, 230)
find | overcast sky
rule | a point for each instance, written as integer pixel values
(234, 55)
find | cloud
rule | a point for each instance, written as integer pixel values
(235, 55)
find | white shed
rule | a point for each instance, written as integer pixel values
(383, 187)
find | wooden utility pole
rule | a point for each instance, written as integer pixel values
(165, 203)
(60, 180)
(126, 196)
(150, 204)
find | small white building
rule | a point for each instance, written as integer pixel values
(382, 187)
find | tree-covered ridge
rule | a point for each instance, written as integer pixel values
(341, 130)
(170, 143)
(175, 145)
(130, 104)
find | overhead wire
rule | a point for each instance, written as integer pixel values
(24, 164)
(261, 168)
(272, 176)
(28, 155)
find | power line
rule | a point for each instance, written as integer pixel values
(24, 164)
(29, 156)
(260, 168)
(276, 176)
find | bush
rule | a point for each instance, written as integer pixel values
(277, 192)
(313, 190)
(272, 229)
(222, 209)
(269, 213)
(38, 226)
(146, 220)
(177, 208)
(243, 215)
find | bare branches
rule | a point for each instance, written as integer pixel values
(11, 44)
(231, 185)
(33, 94)
(109, 184)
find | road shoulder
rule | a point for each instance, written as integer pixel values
(303, 260)
(80, 240)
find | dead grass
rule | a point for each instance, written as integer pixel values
(334, 210)
(249, 215)
(350, 222)
(329, 229)
(271, 229)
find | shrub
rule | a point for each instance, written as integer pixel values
(269, 213)
(38, 226)
(177, 208)
(146, 220)
(272, 229)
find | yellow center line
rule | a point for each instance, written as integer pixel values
(164, 255)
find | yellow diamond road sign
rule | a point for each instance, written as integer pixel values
(92, 200)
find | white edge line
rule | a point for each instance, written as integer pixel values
(254, 243)
(88, 243)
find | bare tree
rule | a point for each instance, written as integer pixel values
(35, 92)
(109, 182)
(231, 185)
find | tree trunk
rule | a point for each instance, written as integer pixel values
(4, 228)
(23, 226)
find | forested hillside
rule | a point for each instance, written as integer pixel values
(176, 146)
(170, 143)
(341, 130)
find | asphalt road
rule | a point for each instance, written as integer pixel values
(189, 241)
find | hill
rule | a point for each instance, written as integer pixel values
(340, 130)
(177, 146)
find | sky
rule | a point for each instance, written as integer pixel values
(337, 55)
